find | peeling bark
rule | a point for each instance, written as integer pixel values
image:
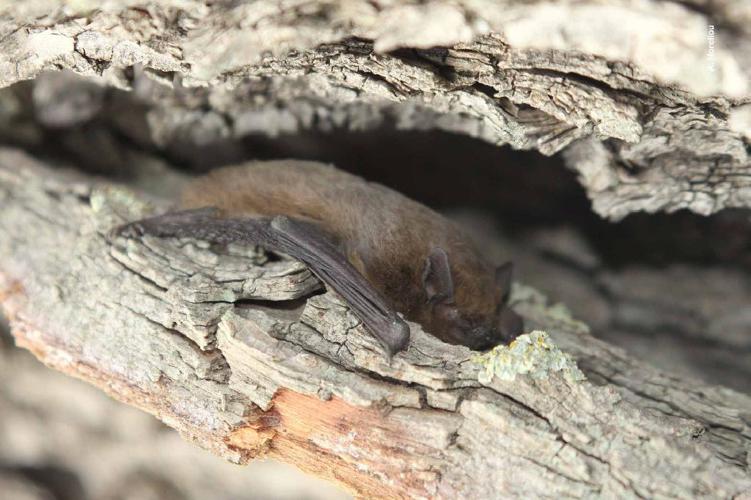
(251, 357)
(649, 117)
(229, 348)
(62, 438)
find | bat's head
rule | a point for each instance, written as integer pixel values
(476, 316)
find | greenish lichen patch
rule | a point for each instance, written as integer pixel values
(532, 303)
(532, 353)
(107, 198)
(114, 205)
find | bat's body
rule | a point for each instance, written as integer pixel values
(412, 259)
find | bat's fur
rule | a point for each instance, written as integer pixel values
(385, 235)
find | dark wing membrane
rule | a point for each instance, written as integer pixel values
(310, 244)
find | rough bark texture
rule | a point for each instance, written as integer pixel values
(62, 439)
(648, 101)
(199, 337)
(648, 98)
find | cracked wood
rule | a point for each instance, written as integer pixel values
(645, 116)
(175, 328)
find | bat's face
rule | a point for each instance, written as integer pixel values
(485, 320)
(476, 332)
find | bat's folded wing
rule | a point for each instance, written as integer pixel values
(310, 244)
(298, 239)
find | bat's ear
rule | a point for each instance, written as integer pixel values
(503, 279)
(436, 277)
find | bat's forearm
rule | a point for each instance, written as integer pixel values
(308, 243)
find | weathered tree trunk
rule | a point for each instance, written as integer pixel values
(165, 328)
(648, 101)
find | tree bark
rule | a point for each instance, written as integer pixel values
(649, 100)
(224, 346)
(62, 438)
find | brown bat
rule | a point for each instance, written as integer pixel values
(380, 250)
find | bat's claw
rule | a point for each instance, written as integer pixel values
(396, 338)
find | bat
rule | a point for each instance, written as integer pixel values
(381, 251)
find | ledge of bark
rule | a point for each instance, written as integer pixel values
(227, 347)
(624, 88)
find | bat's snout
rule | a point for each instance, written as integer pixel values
(509, 325)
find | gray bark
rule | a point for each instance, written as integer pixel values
(230, 349)
(650, 105)
(175, 328)
(61, 438)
